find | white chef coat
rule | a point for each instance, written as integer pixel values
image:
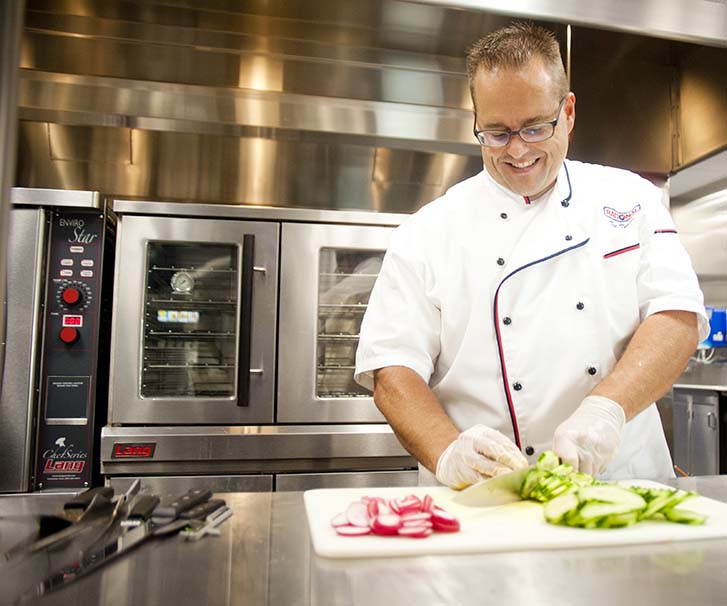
(514, 310)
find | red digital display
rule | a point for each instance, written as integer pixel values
(72, 320)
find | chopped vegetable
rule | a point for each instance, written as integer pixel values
(409, 516)
(578, 500)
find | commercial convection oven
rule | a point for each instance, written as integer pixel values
(233, 344)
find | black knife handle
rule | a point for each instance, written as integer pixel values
(201, 511)
(183, 503)
(144, 507)
(83, 499)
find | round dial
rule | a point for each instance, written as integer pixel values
(69, 335)
(73, 294)
(182, 282)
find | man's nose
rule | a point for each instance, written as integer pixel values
(517, 148)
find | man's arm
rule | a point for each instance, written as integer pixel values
(657, 353)
(414, 413)
(655, 357)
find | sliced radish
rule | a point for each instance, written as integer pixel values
(414, 532)
(394, 506)
(340, 519)
(418, 523)
(386, 524)
(372, 508)
(417, 515)
(357, 514)
(427, 503)
(352, 531)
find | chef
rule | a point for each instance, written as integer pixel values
(541, 304)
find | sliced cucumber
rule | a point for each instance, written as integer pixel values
(683, 516)
(556, 509)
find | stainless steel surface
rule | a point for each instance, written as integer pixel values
(55, 197)
(255, 449)
(176, 485)
(700, 21)
(18, 399)
(11, 22)
(256, 213)
(702, 226)
(709, 377)
(126, 400)
(699, 179)
(302, 323)
(263, 557)
(342, 105)
(288, 482)
(696, 432)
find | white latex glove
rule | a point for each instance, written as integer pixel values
(476, 454)
(589, 439)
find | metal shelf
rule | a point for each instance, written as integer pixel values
(195, 270)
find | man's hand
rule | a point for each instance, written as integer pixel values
(589, 439)
(478, 453)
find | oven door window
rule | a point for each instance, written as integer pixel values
(345, 280)
(190, 321)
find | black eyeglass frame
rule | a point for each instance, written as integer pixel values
(510, 133)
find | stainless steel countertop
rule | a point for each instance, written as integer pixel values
(264, 558)
(710, 377)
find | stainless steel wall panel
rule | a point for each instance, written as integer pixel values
(190, 167)
(287, 482)
(702, 103)
(623, 84)
(25, 293)
(172, 486)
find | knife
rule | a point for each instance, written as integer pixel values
(499, 490)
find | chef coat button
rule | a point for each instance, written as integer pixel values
(580, 305)
(506, 321)
(529, 450)
(569, 238)
(517, 386)
(503, 215)
(592, 370)
(565, 204)
(501, 261)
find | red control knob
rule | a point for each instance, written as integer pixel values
(71, 296)
(69, 335)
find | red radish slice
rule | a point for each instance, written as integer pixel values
(372, 508)
(386, 524)
(414, 532)
(439, 515)
(352, 531)
(340, 519)
(394, 506)
(427, 503)
(438, 527)
(357, 514)
(418, 523)
(417, 515)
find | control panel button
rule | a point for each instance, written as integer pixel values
(71, 296)
(87, 262)
(66, 273)
(76, 249)
(87, 273)
(67, 262)
(69, 335)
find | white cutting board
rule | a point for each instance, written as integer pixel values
(513, 527)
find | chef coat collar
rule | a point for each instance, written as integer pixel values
(561, 191)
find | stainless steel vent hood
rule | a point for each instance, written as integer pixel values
(333, 104)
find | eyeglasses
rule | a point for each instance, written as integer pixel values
(533, 133)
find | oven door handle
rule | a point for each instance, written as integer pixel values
(244, 342)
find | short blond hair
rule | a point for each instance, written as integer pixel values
(512, 47)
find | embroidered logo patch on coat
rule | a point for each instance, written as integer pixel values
(619, 218)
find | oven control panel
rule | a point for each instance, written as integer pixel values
(70, 355)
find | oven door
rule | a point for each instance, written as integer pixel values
(194, 321)
(327, 273)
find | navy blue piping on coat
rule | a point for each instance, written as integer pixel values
(505, 383)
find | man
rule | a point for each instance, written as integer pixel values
(542, 303)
